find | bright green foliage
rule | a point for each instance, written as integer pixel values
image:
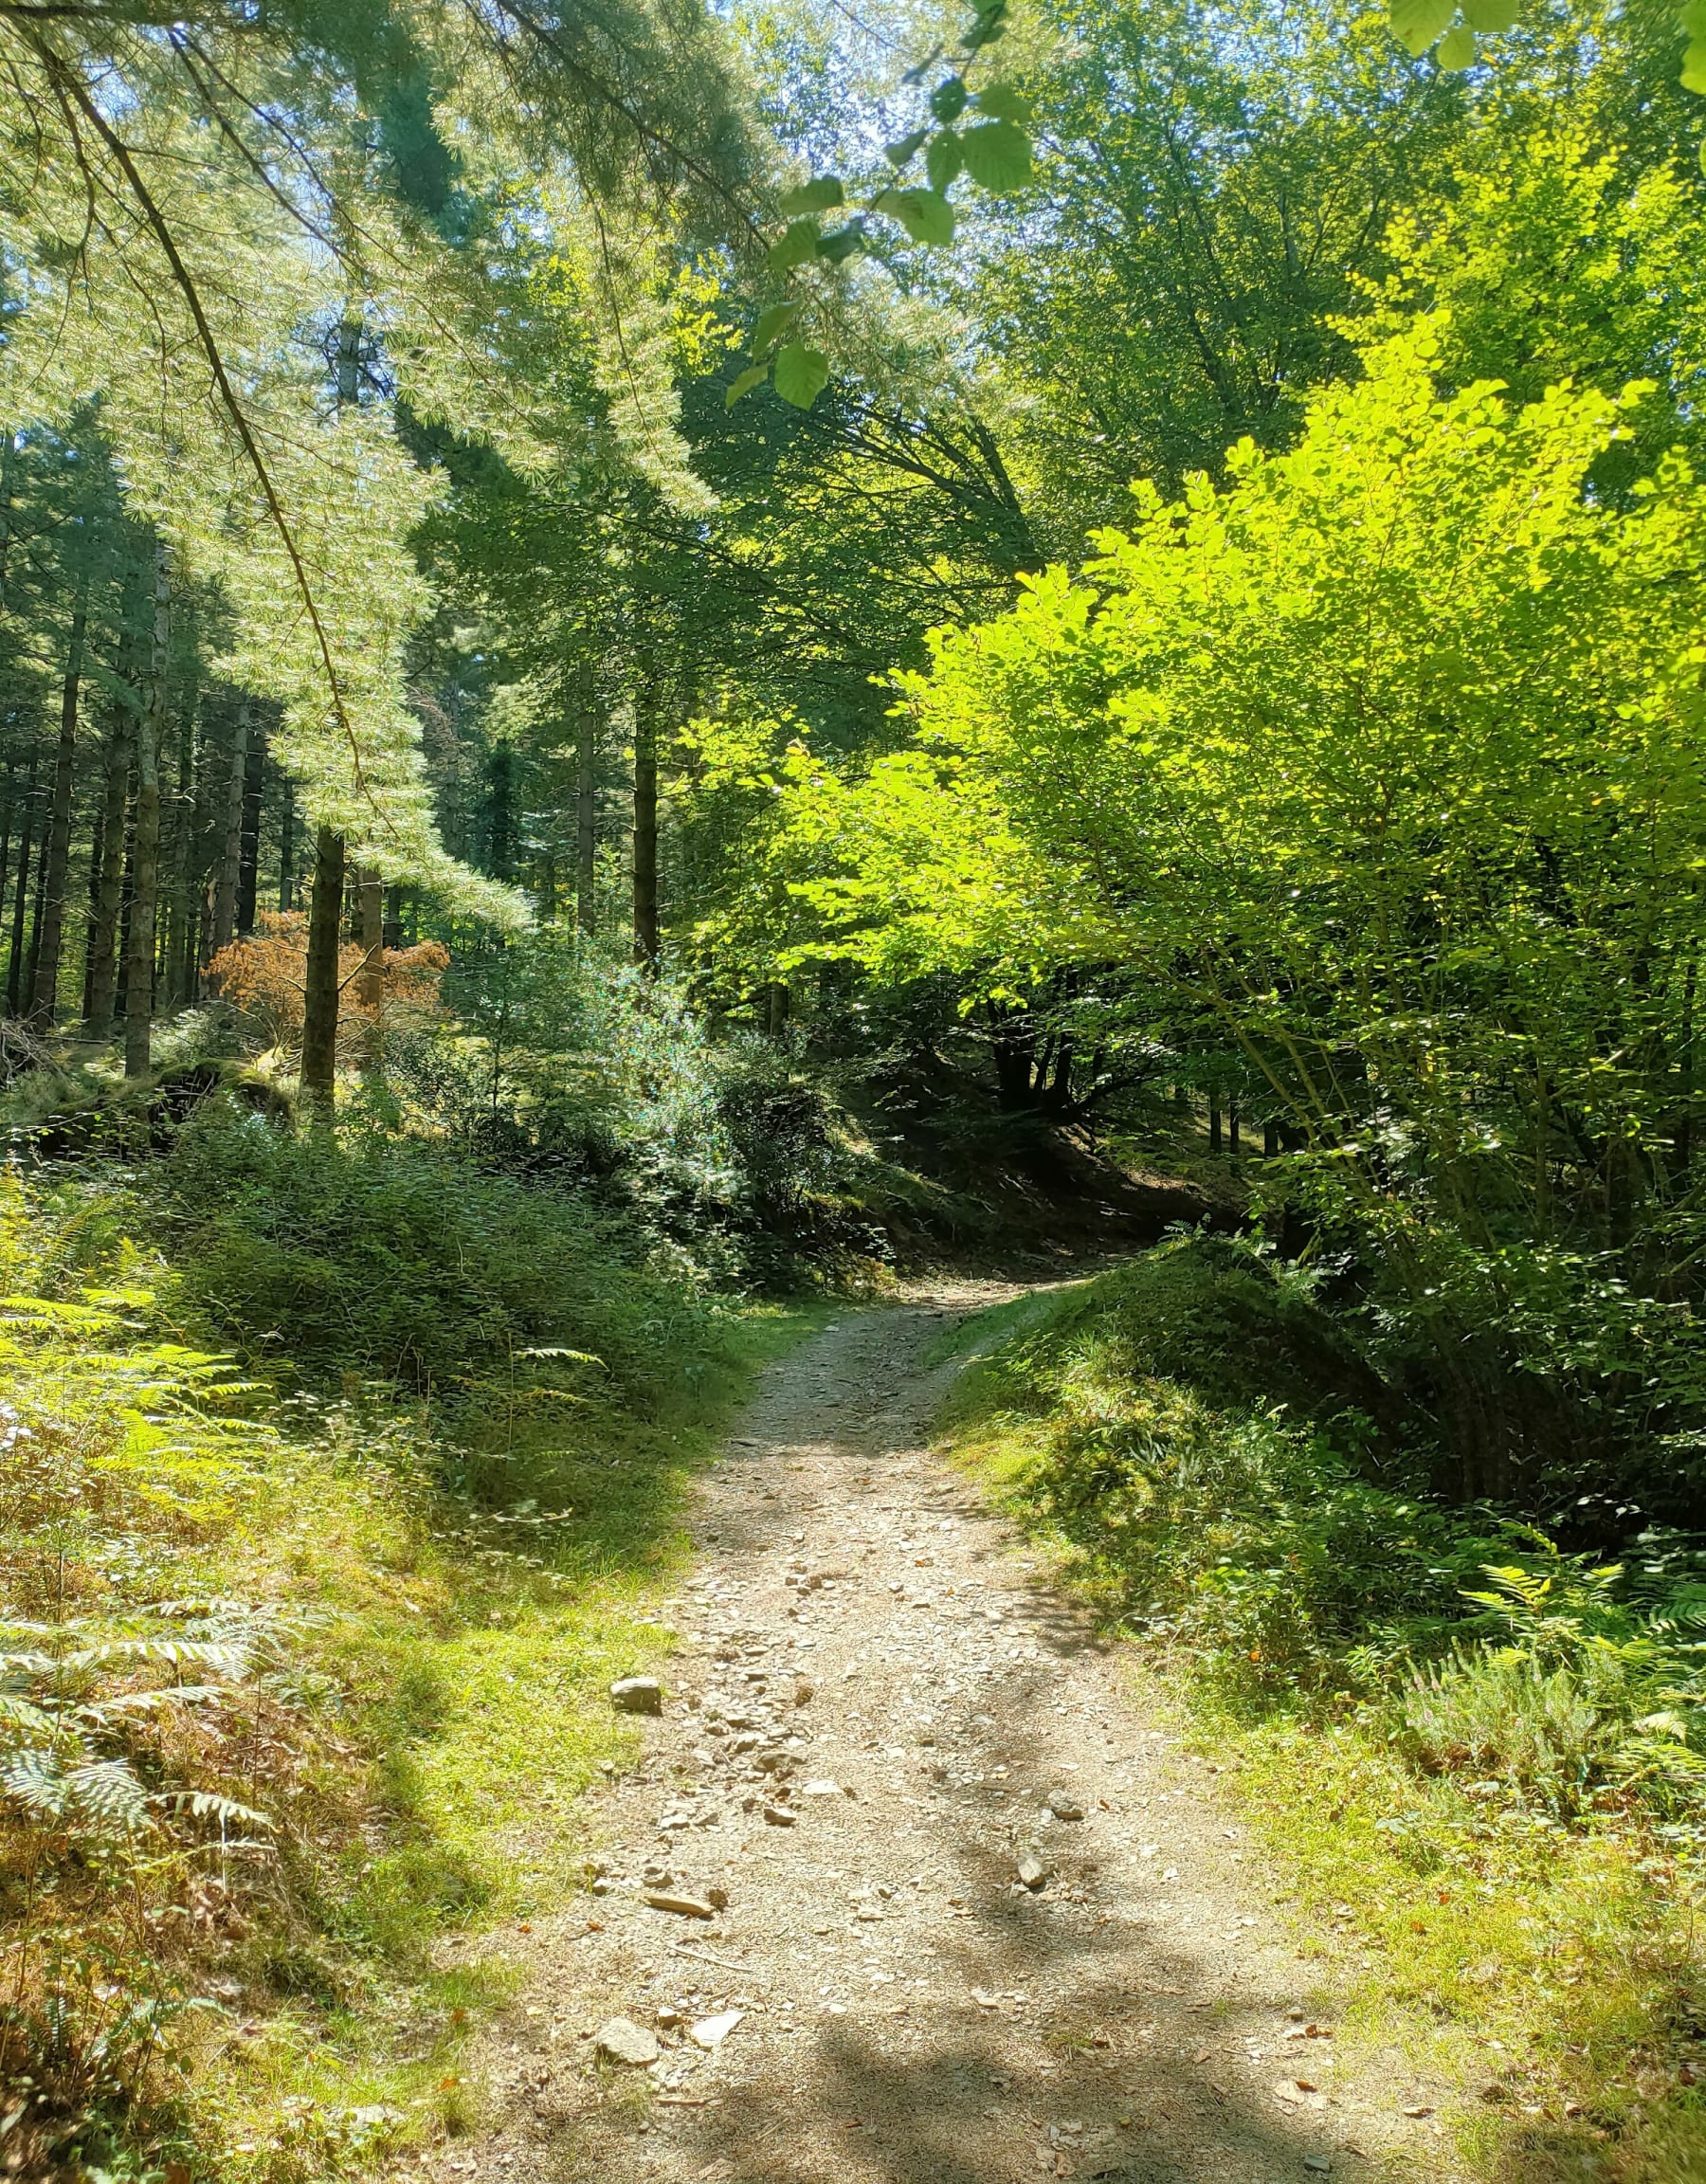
(1558, 256)
(995, 153)
(801, 375)
(1219, 182)
(1383, 767)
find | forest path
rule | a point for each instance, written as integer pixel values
(863, 1635)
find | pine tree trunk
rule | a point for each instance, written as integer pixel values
(38, 900)
(14, 963)
(369, 979)
(108, 888)
(181, 958)
(44, 992)
(145, 855)
(645, 831)
(9, 811)
(319, 1079)
(287, 844)
(229, 869)
(586, 813)
(248, 858)
(501, 834)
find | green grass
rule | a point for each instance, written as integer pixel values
(452, 1572)
(1277, 1581)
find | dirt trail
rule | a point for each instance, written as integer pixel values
(865, 1647)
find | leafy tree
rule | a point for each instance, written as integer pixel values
(1380, 766)
(1217, 182)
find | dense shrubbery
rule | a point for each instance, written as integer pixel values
(409, 1263)
(274, 1673)
(1195, 1429)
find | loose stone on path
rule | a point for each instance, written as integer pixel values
(825, 1948)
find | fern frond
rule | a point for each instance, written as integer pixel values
(209, 1805)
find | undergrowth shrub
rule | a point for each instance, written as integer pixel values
(560, 1059)
(151, 1728)
(1294, 1550)
(392, 1260)
(303, 1652)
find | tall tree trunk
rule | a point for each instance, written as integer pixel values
(8, 464)
(145, 856)
(318, 1079)
(96, 844)
(181, 958)
(287, 843)
(369, 979)
(230, 868)
(44, 992)
(15, 965)
(249, 857)
(646, 829)
(109, 887)
(586, 810)
(9, 811)
(37, 904)
(500, 831)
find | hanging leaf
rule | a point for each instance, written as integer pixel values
(1004, 102)
(997, 156)
(926, 216)
(1456, 50)
(1493, 17)
(755, 376)
(771, 325)
(989, 25)
(948, 101)
(845, 242)
(802, 374)
(1417, 23)
(799, 244)
(898, 154)
(815, 196)
(1694, 75)
(943, 162)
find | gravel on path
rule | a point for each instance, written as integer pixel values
(972, 1918)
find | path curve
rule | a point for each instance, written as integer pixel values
(868, 1650)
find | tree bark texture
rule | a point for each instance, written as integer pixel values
(145, 855)
(369, 979)
(319, 1012)
(230, 870)
(14, 962)
(44, 993)
(103, 936)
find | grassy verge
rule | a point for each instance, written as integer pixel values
(302, 1684)
(1489, 1809)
